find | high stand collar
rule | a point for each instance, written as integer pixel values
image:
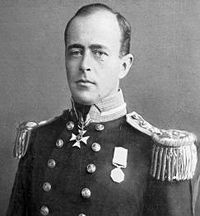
(106, 109)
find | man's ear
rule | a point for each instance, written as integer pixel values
(126, 62)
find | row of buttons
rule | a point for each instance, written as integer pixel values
(86, 192)
(70, 126)
(91, 168)
(44, 210)
(95, 146)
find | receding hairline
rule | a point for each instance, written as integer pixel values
(124, 25)
(91, 13)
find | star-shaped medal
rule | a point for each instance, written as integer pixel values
(79, 138)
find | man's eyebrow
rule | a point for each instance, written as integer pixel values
(75, 46)
(98, 46)
(92, 46)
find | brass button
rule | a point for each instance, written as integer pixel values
(51, 163)
(96, 147)
(44, 210)
(91, 168)
(46, 186)
(99, 127)
(59, 143)
(81, 214)
(86, 193)
(70, 125)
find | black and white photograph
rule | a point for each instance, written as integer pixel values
(100, 108)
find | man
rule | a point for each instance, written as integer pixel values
(94, 159)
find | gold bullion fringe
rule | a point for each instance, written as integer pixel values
(23, 135)
(22, 138)
(173, 163)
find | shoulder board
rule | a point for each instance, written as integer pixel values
(174, 155)
(136, 120)
(23, 135)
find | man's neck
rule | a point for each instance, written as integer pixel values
(106, 109)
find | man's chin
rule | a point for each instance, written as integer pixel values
(85, 99)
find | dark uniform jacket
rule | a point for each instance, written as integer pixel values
(55, 178)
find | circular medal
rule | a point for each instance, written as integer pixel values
(117, 175)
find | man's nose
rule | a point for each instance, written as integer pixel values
(86, 62)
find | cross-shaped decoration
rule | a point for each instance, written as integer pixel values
(79, 138)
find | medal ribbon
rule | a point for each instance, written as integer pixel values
(120, 157)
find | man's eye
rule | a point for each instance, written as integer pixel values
(75, 53)
(99, 53)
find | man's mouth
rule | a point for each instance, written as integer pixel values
(84, 81)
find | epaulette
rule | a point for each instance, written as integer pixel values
(136, 120)
(174, 154)
(23, 135)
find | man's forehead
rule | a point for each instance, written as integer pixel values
(101, 25)
(100, 14)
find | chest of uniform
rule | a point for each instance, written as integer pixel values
(84, 172)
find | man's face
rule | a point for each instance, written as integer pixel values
(92, 57)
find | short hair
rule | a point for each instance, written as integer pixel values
(124, 25)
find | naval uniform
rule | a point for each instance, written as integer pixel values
(98, 161)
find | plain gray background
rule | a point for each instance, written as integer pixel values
(163, 84)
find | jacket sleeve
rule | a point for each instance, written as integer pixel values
(173, 186)
(195, 184)
(18, 199)
(18, 203)
(181, 198)
(169, 199)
